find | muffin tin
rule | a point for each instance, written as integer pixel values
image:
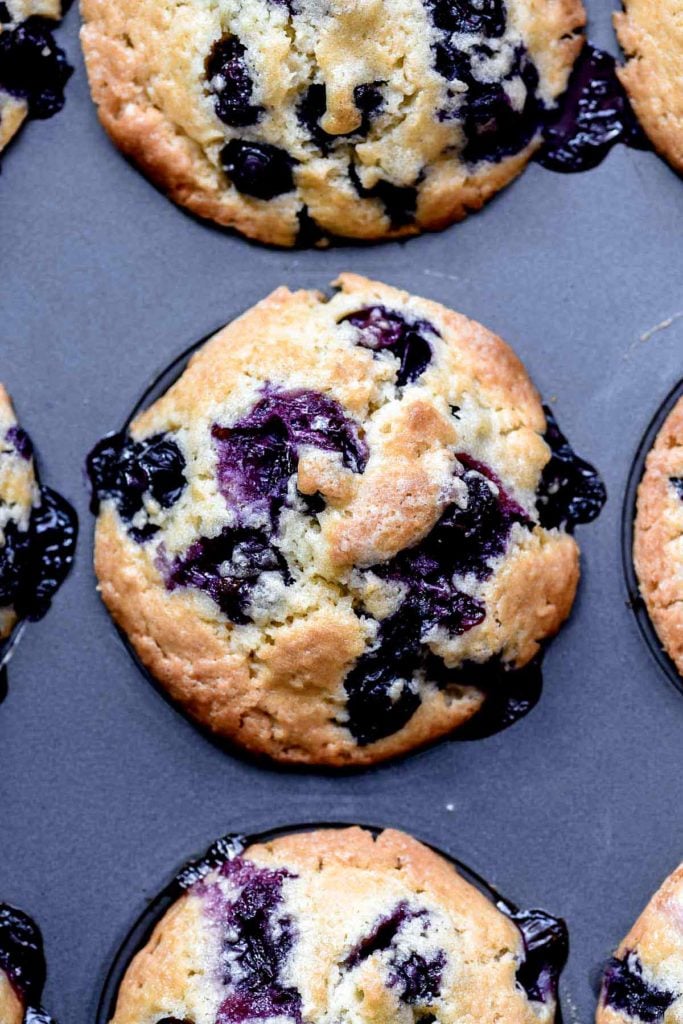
(104, 788)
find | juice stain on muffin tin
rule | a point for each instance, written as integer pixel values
(635, 601)
(545, 938)
(572, 494)
(23, 961)
(593, 116)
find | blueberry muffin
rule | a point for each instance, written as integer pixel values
(291, 120)
(658, 535)
(644, 980)
(651, 35)
(22, 968)
(341, 526)
(335, 924)
(37, 530)
(33, 69)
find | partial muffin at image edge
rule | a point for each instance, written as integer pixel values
(33, 68)
(323, 924)
(658, 535)
(38, 530)
(292, 123)
(643, 982)
(22, 969)
(344, 527)
(651, 35)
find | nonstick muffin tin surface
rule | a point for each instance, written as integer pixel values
(105, 790)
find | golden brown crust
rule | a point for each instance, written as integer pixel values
(276, 687)
(651, 35)
(158, 114)
(340, 883)
(658, 536)
(656, 939)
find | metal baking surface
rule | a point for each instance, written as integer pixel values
(105, 790)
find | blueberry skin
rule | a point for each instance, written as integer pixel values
(258, 169)
(385, 329)
(33, 67)
(232, 102)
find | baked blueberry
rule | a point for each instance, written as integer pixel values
(231, 84)
(380, 120)
(658, 535)
(33, 68)
(38, 530)
(643, 982)
(343, 528)
(304, 927)
(22, 968)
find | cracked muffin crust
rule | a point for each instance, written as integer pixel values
(335, 924)
(651, 35)
(22, 968)
(292, 120)
(33, 69)
(658, 535)
(643, 982)
(341, 525)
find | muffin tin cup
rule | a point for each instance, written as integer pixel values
(231, 845)
(635, 600)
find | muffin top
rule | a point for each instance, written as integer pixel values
(643, 982)
(341, 525)
(295, 119)
(658, 535)
(652, 38)
(336, 924)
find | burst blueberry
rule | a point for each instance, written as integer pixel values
(627, 991)
(128, 471)
(382, 329)
(259, 938)
(481, 17)
(257, 168)
(33, 67)
(228, 568)
(231, 84)
(381, 694)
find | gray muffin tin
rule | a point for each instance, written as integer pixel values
(105, 790)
